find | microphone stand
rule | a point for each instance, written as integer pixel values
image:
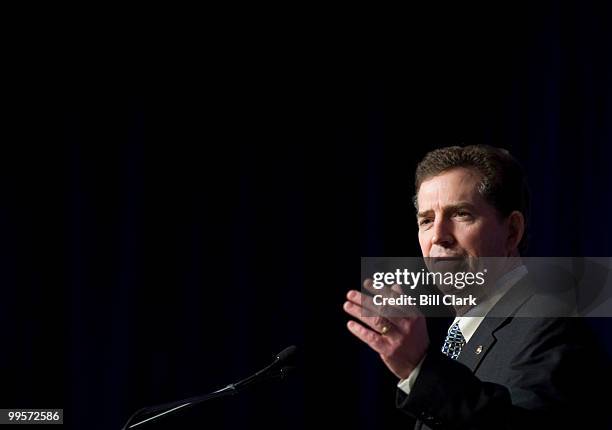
(229, 390)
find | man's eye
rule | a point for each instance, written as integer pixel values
(462, 214)
(424, 221)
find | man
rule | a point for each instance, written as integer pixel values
(499, 371)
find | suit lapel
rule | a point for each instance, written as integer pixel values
(483, 339)
(480, 343)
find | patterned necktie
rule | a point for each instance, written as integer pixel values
(454, 342)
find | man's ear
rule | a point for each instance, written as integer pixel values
(516, 230)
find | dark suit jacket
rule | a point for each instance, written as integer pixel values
(515, 373)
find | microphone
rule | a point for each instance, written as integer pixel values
(286, 354)
(276, 370)
(281, 358)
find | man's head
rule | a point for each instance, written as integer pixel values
(471, 201)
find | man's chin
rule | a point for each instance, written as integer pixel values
(453, 265)
(444, 264)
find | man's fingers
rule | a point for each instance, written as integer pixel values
(368, 284)
(365, 303)
(394, 291)
(371, 338)
(365, 300)
(371, 308)
(378, 323)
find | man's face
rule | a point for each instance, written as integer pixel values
(455, 221)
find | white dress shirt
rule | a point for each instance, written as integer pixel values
(469, 323)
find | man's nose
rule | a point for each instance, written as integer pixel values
(442, 234)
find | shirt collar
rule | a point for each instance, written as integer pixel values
(469, 323)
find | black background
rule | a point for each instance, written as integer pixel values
(183, 201)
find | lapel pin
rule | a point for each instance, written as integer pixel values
(479, 349)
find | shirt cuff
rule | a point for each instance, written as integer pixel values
(406, 384)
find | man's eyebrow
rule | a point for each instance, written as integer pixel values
(423, 214)
(449, 208)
